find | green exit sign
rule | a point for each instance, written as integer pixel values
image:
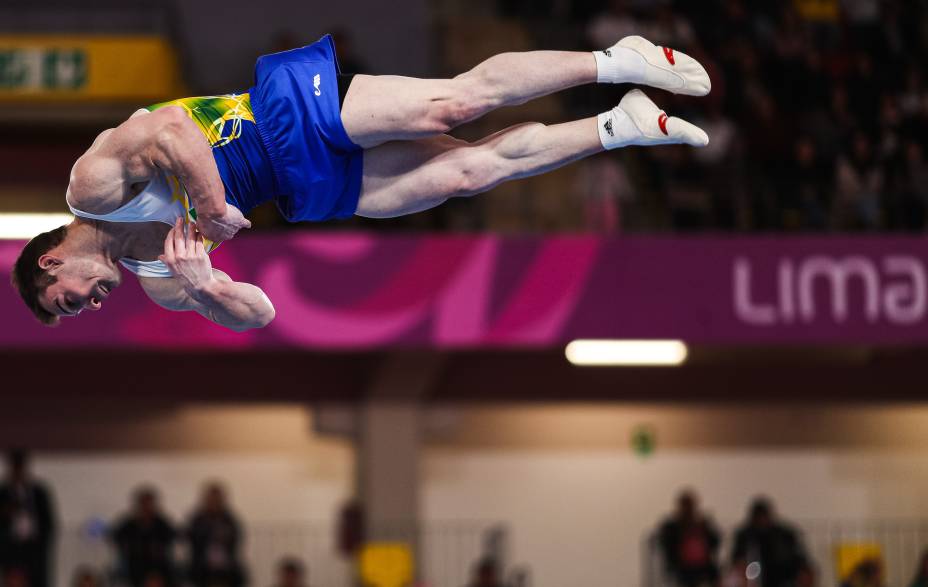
(42, 69)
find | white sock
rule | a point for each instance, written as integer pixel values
(618, 65)
(616, 129)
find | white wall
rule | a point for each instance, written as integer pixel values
(578, 501)
(286, 482)
(275, 466)
(269, 487)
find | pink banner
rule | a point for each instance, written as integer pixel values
(360, 291)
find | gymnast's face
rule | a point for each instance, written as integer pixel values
(82, 283)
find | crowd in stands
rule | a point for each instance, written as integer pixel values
(143, 539)
(766, 551)
(818, 119)
(818, 115)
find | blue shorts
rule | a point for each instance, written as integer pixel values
(297, 112)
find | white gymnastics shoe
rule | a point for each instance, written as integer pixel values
(638, 121)
(636, 60)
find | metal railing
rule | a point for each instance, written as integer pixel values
(447, 552)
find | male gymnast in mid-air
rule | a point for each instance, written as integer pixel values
(160, 191)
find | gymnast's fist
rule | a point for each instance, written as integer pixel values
(222, 228)
(186, 257)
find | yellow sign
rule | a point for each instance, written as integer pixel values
(87, 68)
(850, 554)
(386, 564)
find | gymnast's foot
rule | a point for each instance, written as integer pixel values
(638, 121)
(636, 60)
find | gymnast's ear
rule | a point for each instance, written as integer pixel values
(50, 263)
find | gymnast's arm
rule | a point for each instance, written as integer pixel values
(131, 153)
(237, 306)
(197, 287)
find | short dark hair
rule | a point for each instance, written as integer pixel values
(290, 564)
(17, 458)
(30, 280)
(144, 492)
(85, 573)
(487, 566)
(761, 506)
(687, 495)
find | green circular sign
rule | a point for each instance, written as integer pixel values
(644, 441)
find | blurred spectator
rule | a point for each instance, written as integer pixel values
(291, 573)
(911, 181)
(913, 99)
(921, 573)
(351, 528)
(685, 188)
(863, 19)
(215, 536)
(806, 197)
(27, 522)
(613, 24)
(486, 574)
(859, 183)
(669, 28)
(770, 543)
(14, 577)
(155, 579)
(86, 577)
(690, 542)
(867, 573)
(604, 188)
(807, 576)
(724, 134)
(144, 540)
(719, 161)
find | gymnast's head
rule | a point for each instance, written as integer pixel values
(60, 273)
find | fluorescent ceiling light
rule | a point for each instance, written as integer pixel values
(645, 353)
(25, 226)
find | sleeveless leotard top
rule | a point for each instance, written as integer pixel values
(228, 124)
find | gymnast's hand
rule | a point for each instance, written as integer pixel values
(186, 257)
(222, 228)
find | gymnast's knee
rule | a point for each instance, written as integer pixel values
(474, 176)
(464, 102)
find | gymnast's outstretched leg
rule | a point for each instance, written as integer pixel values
(378, 109)
(404, 177)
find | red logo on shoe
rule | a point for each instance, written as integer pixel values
(662, 122)
(668, 53)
